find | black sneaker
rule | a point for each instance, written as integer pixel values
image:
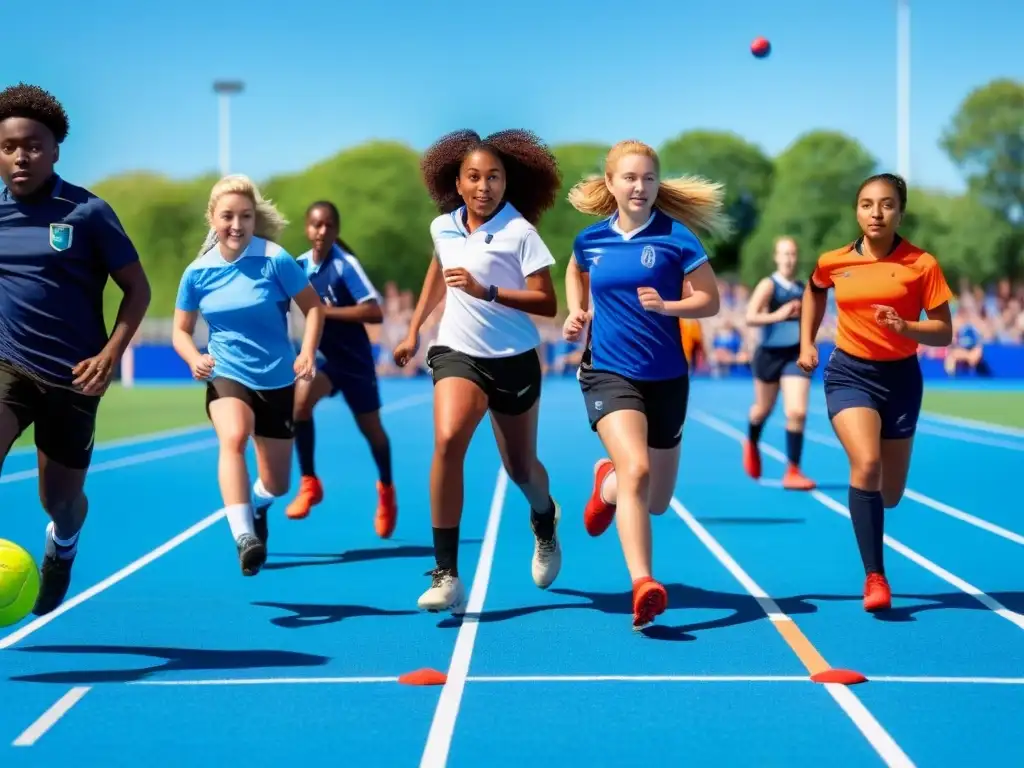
(55, 576)
(252, 554)
(260, 523)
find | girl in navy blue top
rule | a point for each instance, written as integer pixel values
(774, 306)
(345, 362)
(644, 268)
(59, 244)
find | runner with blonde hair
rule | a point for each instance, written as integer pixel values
(242, 283)
(644, 268)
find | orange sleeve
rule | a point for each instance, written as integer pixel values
(820, 276)
(935, 290)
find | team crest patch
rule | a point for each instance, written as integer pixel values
(647, 256)
(61, 236)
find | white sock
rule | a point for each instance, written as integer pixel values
(261, 497)
(240, 519)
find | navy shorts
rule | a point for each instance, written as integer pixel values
(772, 363)
(359, 389)
(893, 388)
(663, 402)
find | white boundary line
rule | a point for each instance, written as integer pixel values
(123, 442)
(524, 679)
(49, 718)
(953, 580)
(877, 736)
(920, 498)
(981, 426)
(442, 727)
(20, 634)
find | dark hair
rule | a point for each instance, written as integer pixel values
(531, 171)
(896, 182)
(33, 102)
(337, 219)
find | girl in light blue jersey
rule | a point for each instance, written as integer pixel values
(242, 284)
(644, 268)
(774, 306)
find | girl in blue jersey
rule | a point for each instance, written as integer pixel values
(775, 307)
(242, 283)
(644, 268)
(346, 362)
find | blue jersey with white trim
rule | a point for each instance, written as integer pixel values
(787, 332)
(341, 282)
(625, 338)
(245, 303)
(57, 250)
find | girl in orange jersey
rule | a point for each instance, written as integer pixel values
(873, 383)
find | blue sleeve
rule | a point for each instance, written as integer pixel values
(356, 280)
(289, 273)
(577, 254)
(188, 298)
(692, 253)
(110, 240)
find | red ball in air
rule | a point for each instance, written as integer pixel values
(760, 47)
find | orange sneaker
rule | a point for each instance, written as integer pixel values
(311, 493)
(387, 511)
(598, 514)
(877, 594)
(650, 599)
(795, 480)
(752, 460)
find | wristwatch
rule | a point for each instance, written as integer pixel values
(492, 293)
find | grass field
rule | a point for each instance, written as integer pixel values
(141, 410)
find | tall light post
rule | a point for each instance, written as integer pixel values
(225, 89)
(903, 88)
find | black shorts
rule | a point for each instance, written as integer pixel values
(272, 408)
(772, 363)
(512, 384)
(663, 402)
(65, 420)
(892, 388)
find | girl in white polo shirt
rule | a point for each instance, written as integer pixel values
(494, 271)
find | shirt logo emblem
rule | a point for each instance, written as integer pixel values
(647, 256)
(61, 236)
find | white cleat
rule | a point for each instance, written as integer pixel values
(446, 593)
(547, 556)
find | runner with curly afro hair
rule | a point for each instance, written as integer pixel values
(59, 246)
(494, 271)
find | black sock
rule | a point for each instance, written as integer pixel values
(544, 522)
(305, 440)
(446, 549)
(794, 447)
(868, 514)
(754, 432)
(382, 455)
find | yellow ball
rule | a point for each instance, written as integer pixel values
(19, 583)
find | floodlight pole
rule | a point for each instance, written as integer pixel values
(225, 89)
(903, 88)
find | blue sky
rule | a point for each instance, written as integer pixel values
(322, 75)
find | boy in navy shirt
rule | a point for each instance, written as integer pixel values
(345, 362)
(644, 268)
(58, 245)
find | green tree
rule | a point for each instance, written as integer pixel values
(732, 160)
(811, 200)
(986, 141)
(966, 236)
(560, 225)
(384, 206)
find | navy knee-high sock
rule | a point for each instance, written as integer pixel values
(794, 447)
(868, 514)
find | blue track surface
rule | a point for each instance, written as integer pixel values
(182, 661)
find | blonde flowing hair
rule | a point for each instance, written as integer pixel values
(692, 200)
(269, 221)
